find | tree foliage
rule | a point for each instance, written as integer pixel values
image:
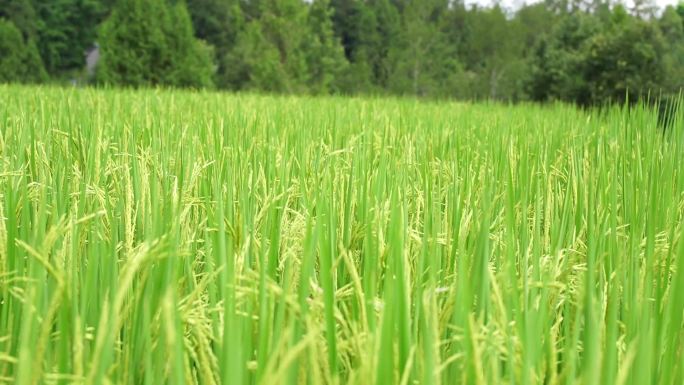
(148, 42)
(67, 29)
(218, 23)
(324, 52)
(582, 51)
(589, 61)
(22, 14)
(19, 58)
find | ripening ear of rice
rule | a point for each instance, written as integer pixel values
(151, 237)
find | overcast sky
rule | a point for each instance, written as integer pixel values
(513, 4)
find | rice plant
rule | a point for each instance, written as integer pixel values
(168, 237)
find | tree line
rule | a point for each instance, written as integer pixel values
(582, 51)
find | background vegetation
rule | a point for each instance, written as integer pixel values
(574, 50)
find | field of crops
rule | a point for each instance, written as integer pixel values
(153, 237)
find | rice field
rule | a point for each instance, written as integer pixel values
(168, 237)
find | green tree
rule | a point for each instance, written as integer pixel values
(426, 64)
(133, 46)
(643, 9)
(218, 22)
(355, 23)
(672, 27)
(257, 62)
(67, 28)
(19, 60)
(590, 61)
(558, 59)
(191, 61)
(325, 55)
(146, 42)
(269, 53)
(233, 70)
(22, 14)
(492, 50)
(532, 23)
(370, 32)
(625, 60)
(388, 36)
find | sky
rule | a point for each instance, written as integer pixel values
(513, 4)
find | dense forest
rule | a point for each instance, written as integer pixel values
(581, 51)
